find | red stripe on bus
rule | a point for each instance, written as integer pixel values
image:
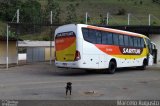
(63, 43)
(109, 49)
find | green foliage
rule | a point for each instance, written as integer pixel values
(154, 23)
(102, 20)
(73, 11)
(46, 38)
(71, 14)
(22, 50)
(11, 35)
(31, 11)
(141, 2)
(156, 1)
(121, 11)
(53, 6)
(8, 9)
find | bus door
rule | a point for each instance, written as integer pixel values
(154, 53)
(149, 54)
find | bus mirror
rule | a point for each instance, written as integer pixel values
(144, 46)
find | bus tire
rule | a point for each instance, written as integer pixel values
(112, 67)
(143, 67)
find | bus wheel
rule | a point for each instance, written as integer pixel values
(112, 68)
(143, 67)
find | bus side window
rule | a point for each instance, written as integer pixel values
(115, 39)
(98, 37)
(104, 38)
(135, 42)
(138, 42)
(92, 36)
(149, 45)
(126, 40)
(110, 38)
(130, 41)
(85, 34)
(121, 40)
(142, 43)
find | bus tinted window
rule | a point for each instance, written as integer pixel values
(65, 34)
(138, 42)
(115, 39)
(126, 40)
(92, 36)
(104, 38)
(149, 45)
(142, 42)
(85, 34)
(121, 41)
(130, 41)
(135, 42)
(98, 37)
(110, 38)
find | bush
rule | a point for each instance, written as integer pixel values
(121, 11)
(46, 38)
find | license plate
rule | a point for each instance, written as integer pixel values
(65, 64)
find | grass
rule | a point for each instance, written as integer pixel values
(139, 13)
(2, 28)
(94, 8)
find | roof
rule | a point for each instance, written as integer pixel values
(28, 43)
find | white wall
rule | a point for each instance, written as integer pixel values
(156, 40)
(22, 56)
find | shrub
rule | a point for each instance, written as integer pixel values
(121, 11)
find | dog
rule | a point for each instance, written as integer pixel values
(68, 88)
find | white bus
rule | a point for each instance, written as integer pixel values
(91, 47)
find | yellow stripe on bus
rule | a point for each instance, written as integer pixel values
(67, 54)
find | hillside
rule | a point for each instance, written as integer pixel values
(139, 10)
(97, 9)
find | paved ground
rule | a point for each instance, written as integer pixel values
(42, 81)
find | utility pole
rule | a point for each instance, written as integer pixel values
(129, 19)
(86, 17)
(107, 18)
(17, 33)
(149, 19)
(51, 15)
(18, 16)
(7, 46)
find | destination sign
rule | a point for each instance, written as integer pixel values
(131, 51)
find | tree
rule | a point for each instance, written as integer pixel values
(71, 14)
(8, 9)
(31, 11)
(102, 19)
(55, 8)
(121, 11)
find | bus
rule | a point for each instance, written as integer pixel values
(92, 47)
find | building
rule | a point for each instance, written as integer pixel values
(36, 51)
(12, 50)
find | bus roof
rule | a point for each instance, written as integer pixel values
(113, 30)
(106, 29)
